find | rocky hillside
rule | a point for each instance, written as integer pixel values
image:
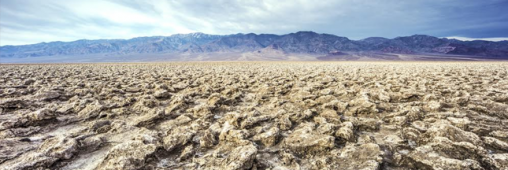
(303, 42)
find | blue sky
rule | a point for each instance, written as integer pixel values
(34, 21)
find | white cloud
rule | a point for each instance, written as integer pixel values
(473, 39)
(33, 21)
(107, 10)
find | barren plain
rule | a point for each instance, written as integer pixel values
(255, 115)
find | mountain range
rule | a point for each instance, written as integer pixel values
(303, 45)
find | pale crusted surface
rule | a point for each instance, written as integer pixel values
(257, 115)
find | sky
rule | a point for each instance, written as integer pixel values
(35, 21)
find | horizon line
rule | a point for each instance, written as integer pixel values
(460, 38)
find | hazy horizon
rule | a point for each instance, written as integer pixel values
(496, 39)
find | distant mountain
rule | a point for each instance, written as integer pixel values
(198, 46)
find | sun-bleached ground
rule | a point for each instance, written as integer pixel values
(255, 115)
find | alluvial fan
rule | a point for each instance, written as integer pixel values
(255, 115)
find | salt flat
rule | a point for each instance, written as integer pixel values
(255, 115)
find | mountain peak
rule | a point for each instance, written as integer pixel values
(375, 39)
(301, 42)
(306, 32)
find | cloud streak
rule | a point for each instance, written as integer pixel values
(33, 21)
(496, 39)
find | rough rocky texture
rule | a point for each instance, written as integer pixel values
(279, 115)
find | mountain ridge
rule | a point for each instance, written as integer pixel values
(302, 42)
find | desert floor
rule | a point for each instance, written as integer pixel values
(255, 115)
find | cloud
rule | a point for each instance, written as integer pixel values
(484, 39)
(33, 21)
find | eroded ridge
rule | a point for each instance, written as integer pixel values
(256, 115)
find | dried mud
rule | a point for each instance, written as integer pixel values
(257, 115)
